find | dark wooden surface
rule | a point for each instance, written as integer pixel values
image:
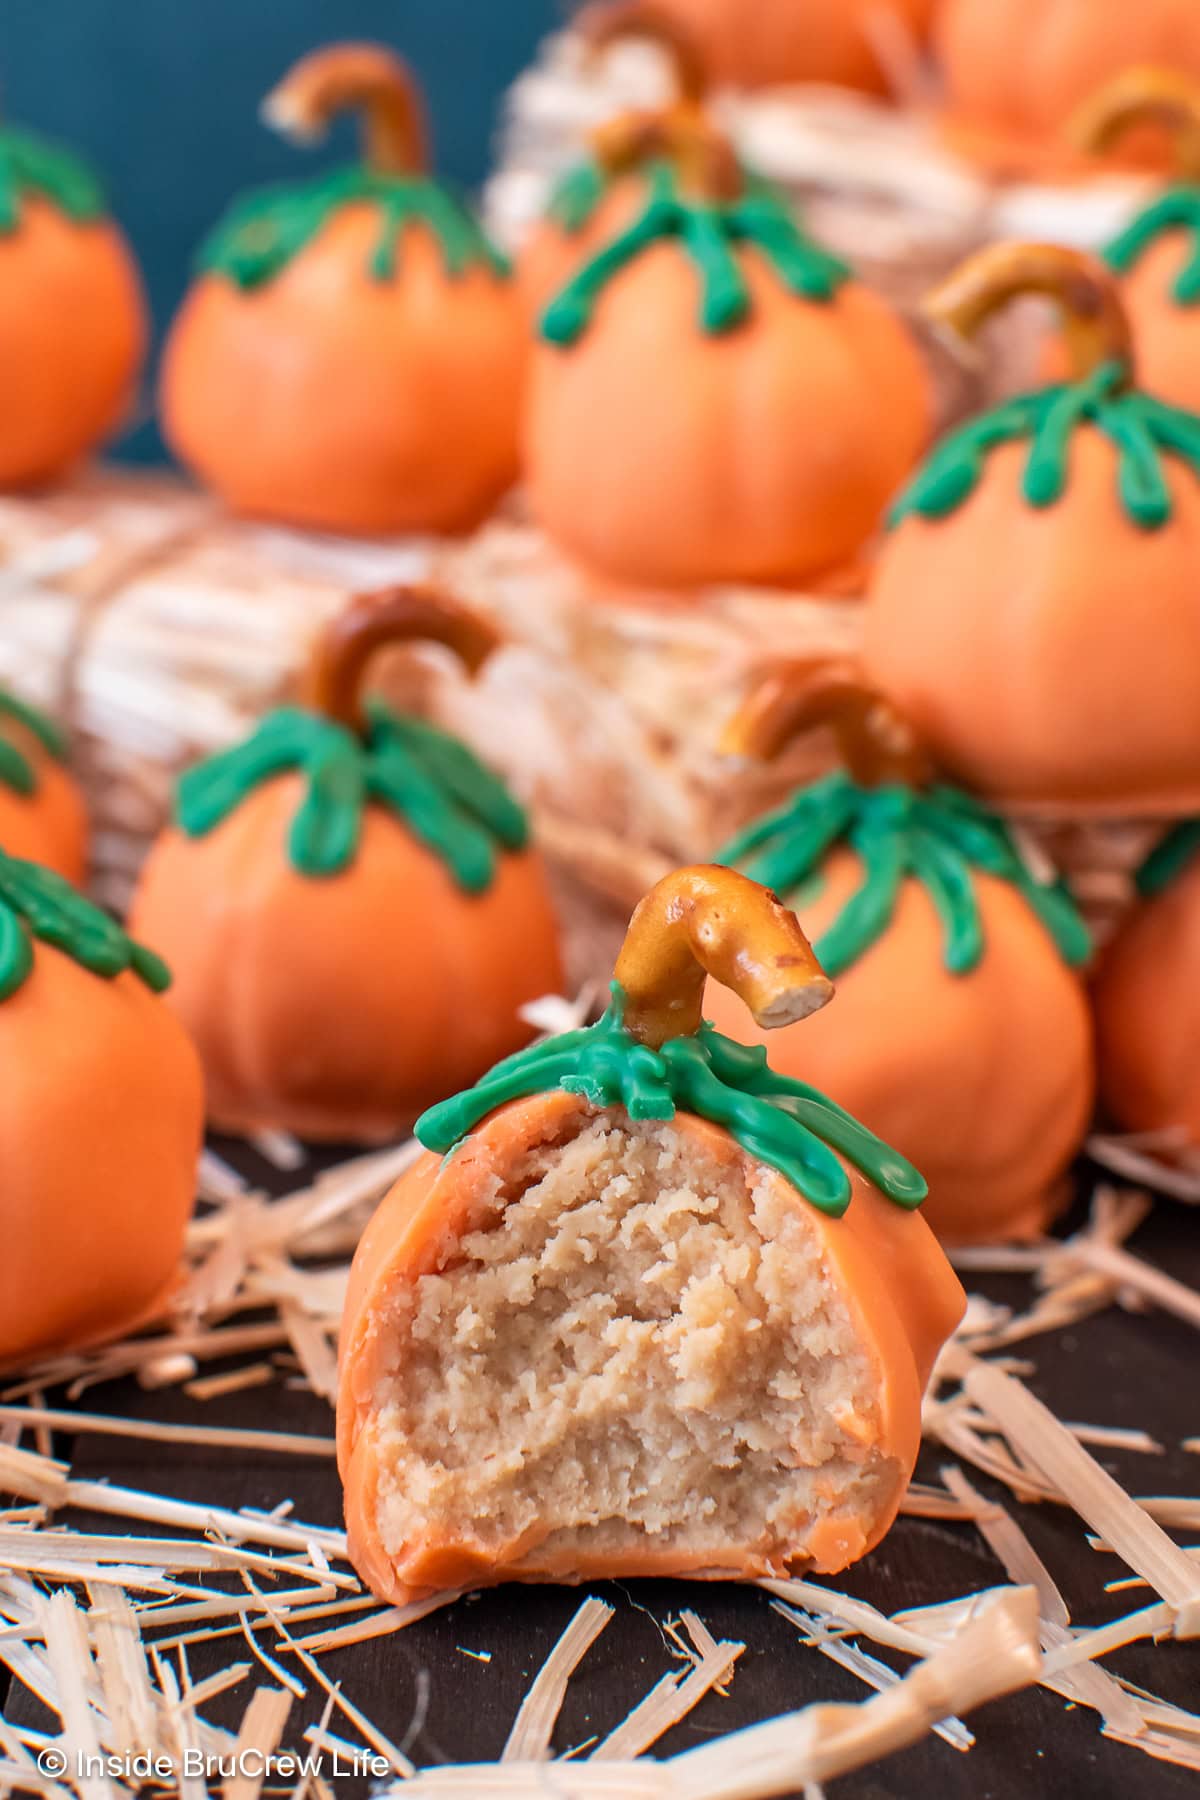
(420, 1687)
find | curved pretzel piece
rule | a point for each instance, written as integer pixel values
(624, 20)
(338, 666)
(367, 78)
(876, 744)
(1145, 96)
(1095, 324)
(705, 921)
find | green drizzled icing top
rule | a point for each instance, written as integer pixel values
(16, 770)
(782, 1122)
(1178, 209)
(1144, 431)
(709, 232)
(576, 196)
(936, 836)
(264, 230)
(30, 166)
(1169, 859)
(35, 903)
(426, 779)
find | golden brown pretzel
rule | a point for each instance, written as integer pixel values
(875, 743)
(1095, 325)
(334, 679)
(367, 77)
(603, 26)
(705, 921)
(1164, 97)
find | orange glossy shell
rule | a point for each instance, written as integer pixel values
(1147, 1002)
(1049, 657)
(658, 454)
(331, 399)
(101, 1119)
(49, 826)
(1016, 70)
(774, 42)
(340, 1007)
(1166, 334)
(984, 1081)
(72, 338)
(891, 1273)
(551, 255)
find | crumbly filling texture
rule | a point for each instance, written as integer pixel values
(636, 1344)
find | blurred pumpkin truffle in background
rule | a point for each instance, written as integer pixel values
(351, 355)
(101, 1119)
(1147, 999)
(335, 883)
(961, 1032)
(73, 325)
(773, 43)
(714, 398)
(1033, 612)
(42, 814)
(706, 1286)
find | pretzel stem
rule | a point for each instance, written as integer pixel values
(876, 745)
(1144, 96)
(366, 78)
(1095, 324)
(337, 670)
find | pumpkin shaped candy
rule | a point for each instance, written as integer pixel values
(772, 43)
(961, 1032)
(714, 398)
(1147, 998)
(329, 881)
(101, 1120)
(351, 355)
(42, 814)
(646, 1307)
(72, 317)
(1033, 611)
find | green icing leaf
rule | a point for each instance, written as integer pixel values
(576, 196)
(16, 770)
(1142, 430)
(37, 904)
(30, 166)
(429, 781)
(1169, 859)
(264, 230)
(781, 1122)
(1178, 209)
(936, 837)
(709, 232)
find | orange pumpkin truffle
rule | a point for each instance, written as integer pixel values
(703, 1286)
(1033, 612)
(42, 814)
(661, 442)
(102, 1118)
(72, 318)
(329, 881)
(961, 1033)
(351, 355)
(1147, 998)
(845, 43)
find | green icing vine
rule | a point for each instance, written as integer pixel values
(576, 196)
(1169, 859)
(429, 780)
(37, 904)
(31, 166)
(709, 233)
(936, 837)
(1178, 209)
(1142, 429)
(263, 231)
(16, 770)
(785, 1123)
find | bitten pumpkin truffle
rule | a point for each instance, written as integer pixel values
(961, 1032)
(1033, 611)
(332, 885)
(1147, 997)
(662, 446)
(42, 814)
(72, 317)
(351, 355)
(101, 1119)
(646, 1307)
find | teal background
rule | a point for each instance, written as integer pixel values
(162, 96)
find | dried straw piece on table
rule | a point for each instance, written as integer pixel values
(672, 1698)
(261, 1730)
(282, 1443)
(529, 1739)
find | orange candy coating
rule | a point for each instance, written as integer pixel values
(102, 1117)
(49, 826)
(340, 1007)
(1167, 335)
(775, 42)
(984, 1081)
